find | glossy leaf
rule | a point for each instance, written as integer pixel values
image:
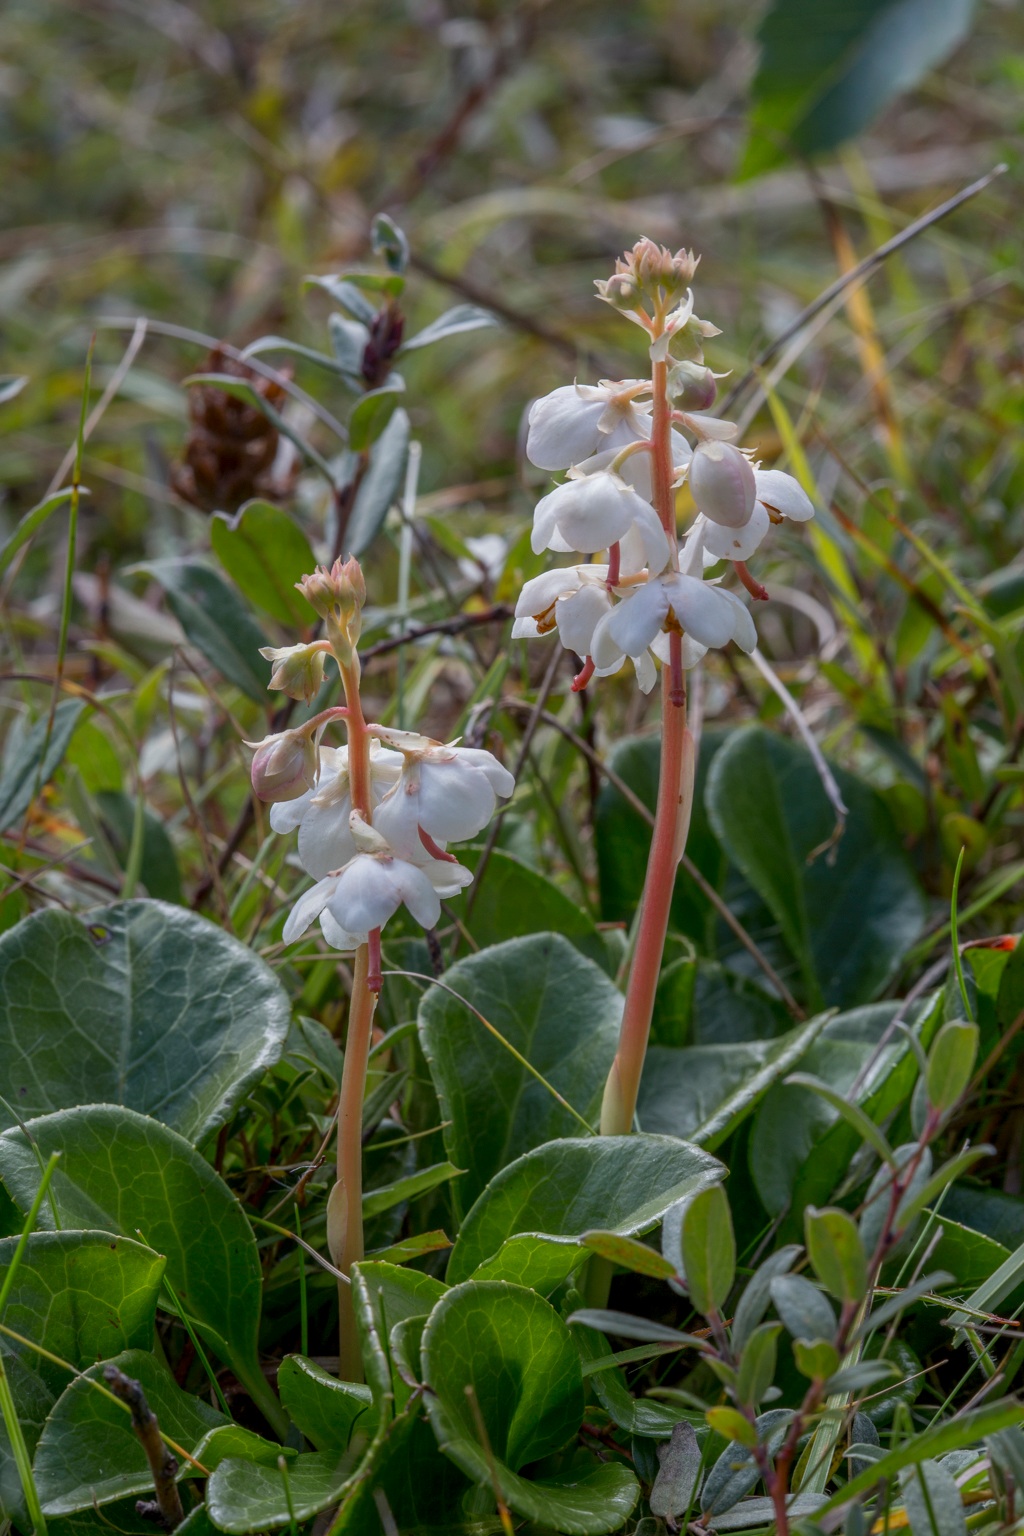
(454, 322)
(950, 1063)
(528, 1223)
(265, 553)
(130, 1174)
(556, 1009)
(140, 1003)
(709, 1249)
(516, 900)
(514, 1352)
(242, 1497)
(848, 921)
(629, 1254)
(836, 1252)
(215, 622)
(88, 1453)
(703, 1092)
(32, 759)
(80, 1295)
(326, 1410)
(824, 75)
(380, 484)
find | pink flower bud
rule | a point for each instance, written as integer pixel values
(722, 483)
(692, 387)
(285, 765)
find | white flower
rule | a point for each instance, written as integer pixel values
(722, 482)
(322, 815)
(636, 468)
(447, 792)
(778, 496)
(592, 512)
(782, 496)
(571, 600)
(486, 558)
(573, 422)
(353, 901)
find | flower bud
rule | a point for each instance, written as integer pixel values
(338, 596)
(692, 387)
(621, 290)
(285, 765)
(298, 670)
(722, 482)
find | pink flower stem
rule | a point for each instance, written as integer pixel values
(671, 820)
(345, 1206)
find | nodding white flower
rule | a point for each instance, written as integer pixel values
(591, 512)
(323, 813)
(573, 422)
(446, 792)
(570, 600)
(353, 901)
(636, 468)
(778, 496)
(486, 558)
(722, 482)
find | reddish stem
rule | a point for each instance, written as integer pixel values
(345, 1207)
(373, 976)
(614, 561)
(434, 851)
(753, 586)
(582, 678)
(677, 689)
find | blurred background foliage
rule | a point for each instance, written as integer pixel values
(193, 164)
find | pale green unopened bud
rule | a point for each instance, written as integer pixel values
(298, 670)
(692, 387)
(338, 596)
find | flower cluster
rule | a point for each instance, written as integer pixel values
(625, 445)
(374, 818)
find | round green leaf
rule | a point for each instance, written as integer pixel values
(529, 1222)
(327, 1411)
(847, 921)
(88, 1453)
(265, 553)
(558, 1010)
(243, 1497)
(517, 1356)
(140, 1003)
(131, 1175)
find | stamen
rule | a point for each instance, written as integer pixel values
(756, 590)
(581, 679)
(434, 851)
(374, 980)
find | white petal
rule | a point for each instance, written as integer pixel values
(646, 671)
(738, 543)
(325, 841)
(448, 879)
(784, 495)
(563, 428)
(722, 483)
(397, 819)
(286, 815)
(366, 894)
(545, 518)
(702, 610)
(525, 629)
(595, 511)
(338, 937)
(456, 800)
(308, 907)
(744, 630)
(654, 538)
(541, 591)
(414, 888)
(637, 619)
(577, 615)
(498, 776)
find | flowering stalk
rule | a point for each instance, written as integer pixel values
(622, 445)
(373, 819)
(672, 817)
